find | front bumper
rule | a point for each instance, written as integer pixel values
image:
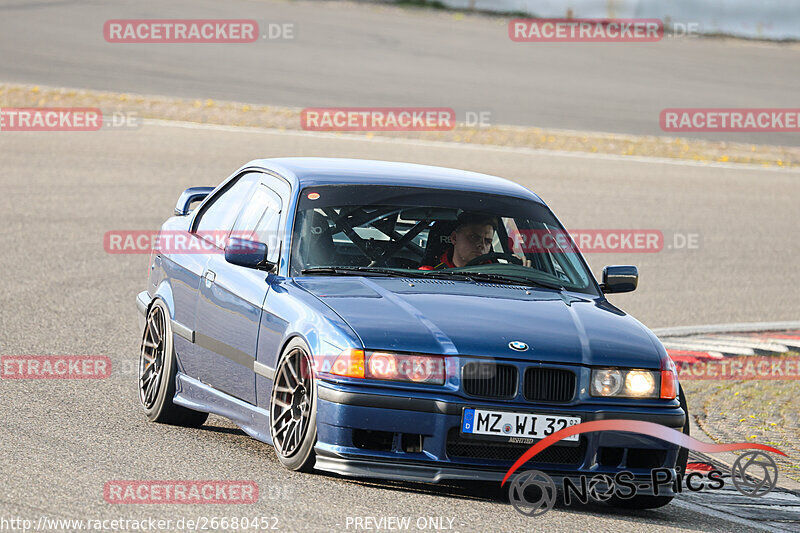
(344, 414)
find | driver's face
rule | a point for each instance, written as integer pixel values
(471, 241)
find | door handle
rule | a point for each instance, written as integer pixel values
(209, 276)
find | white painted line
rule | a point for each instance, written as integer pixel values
(746, 342)
(793, 343)
(702, 509)
(466, 146)
(675, 344)
(726, 328)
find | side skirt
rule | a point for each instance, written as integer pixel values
(196, 395)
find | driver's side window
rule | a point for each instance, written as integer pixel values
(259, 220)
(216, 218)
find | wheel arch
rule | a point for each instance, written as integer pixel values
(164, 293)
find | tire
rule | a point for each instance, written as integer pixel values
(157, 370)
(293, 409)
(683, 453)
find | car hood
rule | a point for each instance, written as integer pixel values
(481, 319)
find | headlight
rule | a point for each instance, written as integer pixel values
(390, 366)
(625, 383)
(606, 382)
(640, 383)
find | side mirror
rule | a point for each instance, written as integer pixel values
(188, 197)
(246, 253)
(620, 278)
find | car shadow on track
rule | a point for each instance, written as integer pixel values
(222, 429)
(465, 490)
(491, 491)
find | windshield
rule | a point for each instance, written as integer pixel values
(412, 231)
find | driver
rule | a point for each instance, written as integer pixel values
(471, 238)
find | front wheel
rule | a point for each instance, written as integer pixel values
(293, 409)
(157, 370)
(683, 453)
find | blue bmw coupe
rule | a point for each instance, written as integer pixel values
(395, 320)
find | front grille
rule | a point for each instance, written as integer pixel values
(549, 385)
(489, 380)
(458, 447)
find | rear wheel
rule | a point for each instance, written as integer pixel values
(293, 409)
(157, 370)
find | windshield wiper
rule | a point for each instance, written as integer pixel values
(461, 276)
(442, 274)
(376, 271)
(515, 280)
(356, 270)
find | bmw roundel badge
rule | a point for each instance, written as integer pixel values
(518, 346)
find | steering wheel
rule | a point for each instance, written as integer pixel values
(511, 258)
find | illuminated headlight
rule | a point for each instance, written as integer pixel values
(406, 367)
(391, 366)
(640, 383)
(625, 383)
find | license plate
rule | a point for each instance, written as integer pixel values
(510, 424)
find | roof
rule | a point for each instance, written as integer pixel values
(316, 171)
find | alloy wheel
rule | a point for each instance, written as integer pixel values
(291, 403)
(151, 358)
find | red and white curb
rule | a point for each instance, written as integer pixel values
(779, 510)
(723, 340)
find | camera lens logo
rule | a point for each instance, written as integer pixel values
(601, 487)
(754, 474)
(539, 486)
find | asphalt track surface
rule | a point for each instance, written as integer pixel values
(345, 54)
(63, 294)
